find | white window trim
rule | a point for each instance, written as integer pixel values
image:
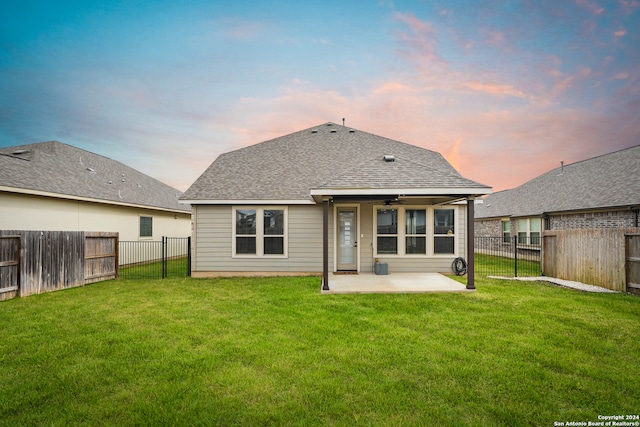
(528, 233)
(455, 235)
(430, 235)
(507, 221)
(140, 237)
(260, 232)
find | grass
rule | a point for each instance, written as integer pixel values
(153, 270)
(492, 265)
(274, 351)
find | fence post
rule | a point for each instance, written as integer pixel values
(164, 260)
(515, 256)
(189, 256)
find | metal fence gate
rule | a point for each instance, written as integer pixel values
(153, 259)
(511, 256)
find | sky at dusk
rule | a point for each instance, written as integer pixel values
(505, 90)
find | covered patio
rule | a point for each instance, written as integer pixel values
(392, 283)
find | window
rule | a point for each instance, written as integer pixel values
(506, 231)
(146, 226)
(443, 231)
(408, 231)
(535, 227)
(264, 237)
(529, 231)
(387, 230)
(246, 231)
(274, 232)
(416, 231)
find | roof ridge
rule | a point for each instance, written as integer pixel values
(594, 157)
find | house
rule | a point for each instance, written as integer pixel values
(54, 186)
(330, 199)
(580, 218)
(601, 192)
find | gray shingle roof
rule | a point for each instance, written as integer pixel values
(324, 156)
(54, 167)
(608, 181)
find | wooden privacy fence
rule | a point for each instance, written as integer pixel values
(633, 262)
(34, 262)
(593, 256)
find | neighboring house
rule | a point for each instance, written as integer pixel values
(54, 186)
(580, 220)
(602, 192)
(330, 199)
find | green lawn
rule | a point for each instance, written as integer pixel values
(275, 351)
(153, 270)
(491, 265)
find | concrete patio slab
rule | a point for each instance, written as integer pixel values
(392, 283)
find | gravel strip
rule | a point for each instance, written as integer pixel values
(564, 283)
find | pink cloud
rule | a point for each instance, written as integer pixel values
(502, 149)
(495, 89)
(391, 87)
(591, 6)
(418, 44)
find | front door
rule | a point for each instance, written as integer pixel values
(347, 239)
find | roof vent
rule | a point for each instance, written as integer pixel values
(333, 131)
(352, 130)
(389, 158)
(18, 152)
(314, 130)
(329, 124)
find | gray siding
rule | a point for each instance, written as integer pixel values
(212, 244)
(213, 234)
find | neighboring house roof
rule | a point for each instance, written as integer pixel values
(325, 158)
(608, 181)
(60, 170)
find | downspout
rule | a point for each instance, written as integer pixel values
(470, 243)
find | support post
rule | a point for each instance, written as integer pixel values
(325, 245)
(470, 243)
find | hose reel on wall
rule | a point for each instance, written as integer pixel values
(459, 266)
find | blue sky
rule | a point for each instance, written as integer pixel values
(505, 90)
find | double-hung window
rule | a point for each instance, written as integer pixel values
(444, 231)
(259, 231)
(529, 231)
(387, 231)
(506, 231)
(416, 231)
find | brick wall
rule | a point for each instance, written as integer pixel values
(609, 219)
(488, 227)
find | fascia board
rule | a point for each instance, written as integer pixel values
(247, 202)
(85, 199)
(443, 191)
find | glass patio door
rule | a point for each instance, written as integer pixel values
(347, 239)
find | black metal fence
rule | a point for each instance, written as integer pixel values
(510, 256)
(149, 259)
